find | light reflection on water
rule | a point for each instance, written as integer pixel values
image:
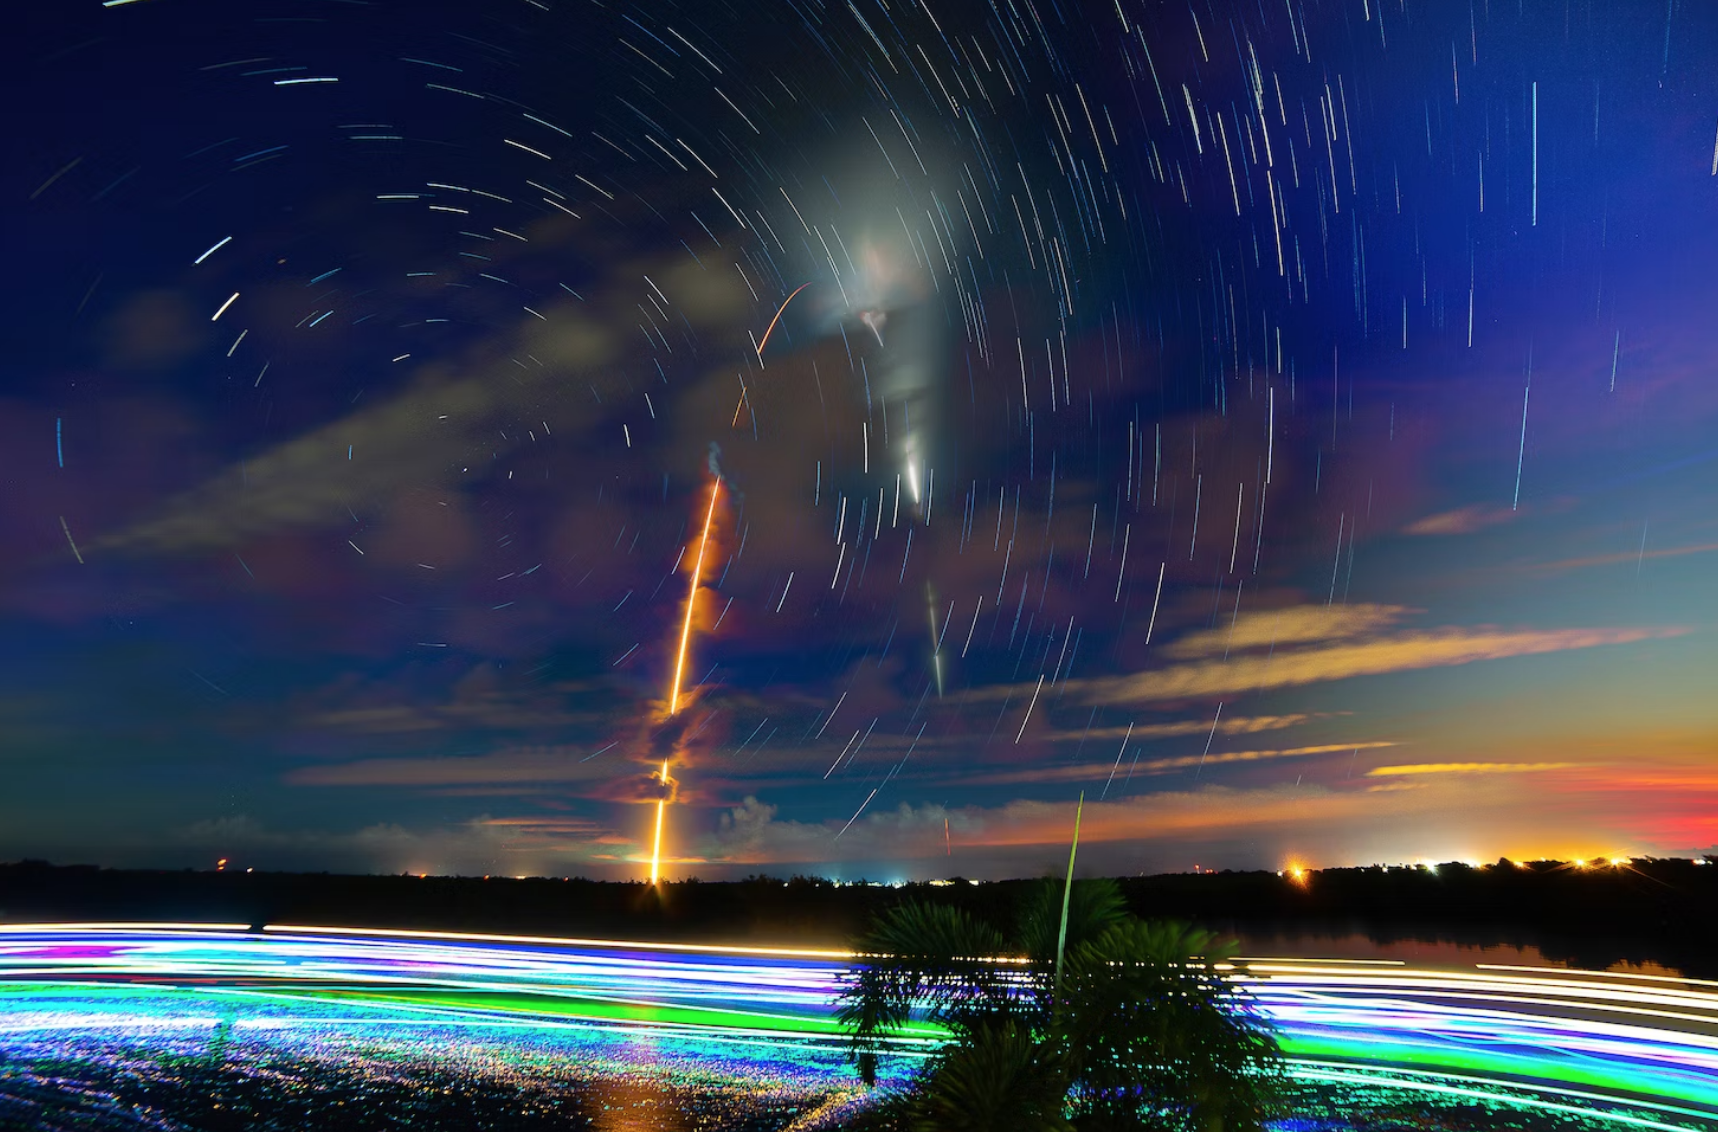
(638, 1036)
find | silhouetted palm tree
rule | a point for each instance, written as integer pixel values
(1147, 1030)
(998, 1077)
(936, 958)
(1160, 1035)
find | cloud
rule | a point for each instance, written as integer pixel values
(553, 764)
(1292, 625)
(543, 826)
(749, 830)
(753, 833)
(1463, 768)
(1398, 652)
(386, 449)
(1096, 772)
(791, 754)
(153, 330)
(1236, 725)
(389, 719)
(1637, 557)
(481, 698)
(404, 443)
(533, 845)
(1434, 817)
(1462, 521)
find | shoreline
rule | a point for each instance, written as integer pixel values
(1652, 915)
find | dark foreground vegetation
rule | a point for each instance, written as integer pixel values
(1104, 1023)
(1646, 911)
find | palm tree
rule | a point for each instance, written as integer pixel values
(1148, 1029)
(936, 958)
(1161, 1034)
(998, 1077)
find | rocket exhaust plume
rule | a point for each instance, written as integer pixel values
(656, 841)
(674, 688)
(691, 602)
(771, 328)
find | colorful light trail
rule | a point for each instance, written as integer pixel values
(1641, 1052)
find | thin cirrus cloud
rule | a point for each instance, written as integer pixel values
(1309, 644)
(1340, 660)
(1463, 768)
(307, 481)
(483, 844)
(1291, 625)
(1099, 772)
(1562, 565)
(520, 766)
(1462, 521)
(1233, 725)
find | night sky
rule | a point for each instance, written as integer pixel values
(1292, 425)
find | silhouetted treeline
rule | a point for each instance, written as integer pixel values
(1649, 910)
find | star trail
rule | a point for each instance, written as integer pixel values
(372, 371)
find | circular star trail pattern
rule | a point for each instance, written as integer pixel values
(1281, 423)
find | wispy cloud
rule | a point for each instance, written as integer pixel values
(555, 764)
(1101, 771)
(1463, 768)
(308, 480)
(1396, 652)
(1237, 725)
(1562, 565)
(1291, 625)
(1307, 644)
(403, 443)
(477, 700)
(1462, 521)
(533, 845)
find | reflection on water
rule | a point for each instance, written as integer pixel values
(1435, 952)
(170, 1081)
(121, 1028)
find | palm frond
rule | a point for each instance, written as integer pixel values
(998, 1080)
(933, 957)
(1094, 906)
(1151, 1029)
(1160, 1030)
